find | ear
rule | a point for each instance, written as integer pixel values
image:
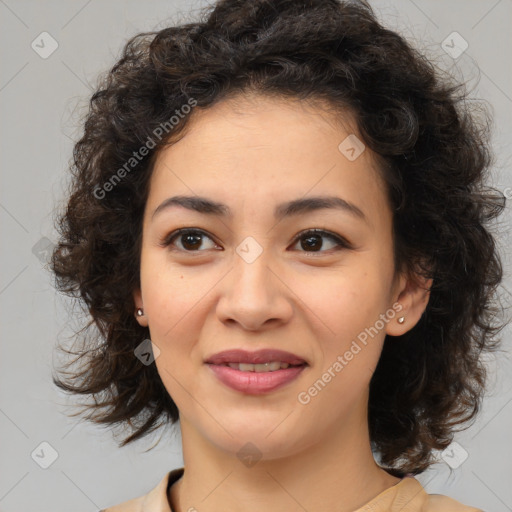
(137, 299)
(413, 294)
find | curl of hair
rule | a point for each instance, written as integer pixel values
(434, 157)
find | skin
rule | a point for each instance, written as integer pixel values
(253, 153)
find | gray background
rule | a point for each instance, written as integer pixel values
(41, 100)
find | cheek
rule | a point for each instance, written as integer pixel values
(349, 304)
(173, 307)
(177, 304)
(347, 300)
(350, 349)
(169, 294)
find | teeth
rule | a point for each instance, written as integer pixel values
(265, 367)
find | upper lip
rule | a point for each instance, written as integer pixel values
(257, 357)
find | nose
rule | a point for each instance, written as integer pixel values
(255, 295)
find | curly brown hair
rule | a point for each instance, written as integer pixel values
(434, 155)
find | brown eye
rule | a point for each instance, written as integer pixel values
(190, 240)
(313, 241)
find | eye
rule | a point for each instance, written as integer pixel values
(190, 239)
(312, 240)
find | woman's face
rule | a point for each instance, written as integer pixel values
(249, 280)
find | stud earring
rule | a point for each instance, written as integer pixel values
(401, 320)
(140, 312)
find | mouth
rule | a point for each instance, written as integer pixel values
(271, 366)
(258, 372)
(264, 359)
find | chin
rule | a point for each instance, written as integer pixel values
(254, 443)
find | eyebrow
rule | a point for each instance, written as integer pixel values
(295, 207)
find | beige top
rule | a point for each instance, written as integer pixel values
(407, 495)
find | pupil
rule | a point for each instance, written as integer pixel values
(310, 242)
(194, 241)
(192, 237)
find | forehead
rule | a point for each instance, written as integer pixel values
(261, 150)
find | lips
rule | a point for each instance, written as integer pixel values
(263, 356)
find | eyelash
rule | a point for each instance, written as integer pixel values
(340, 242)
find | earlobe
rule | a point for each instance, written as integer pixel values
(139, 310)
(413, 297)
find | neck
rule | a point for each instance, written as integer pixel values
(338, 473)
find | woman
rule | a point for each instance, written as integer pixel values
(279, 227)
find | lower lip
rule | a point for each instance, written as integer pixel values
(255, 383)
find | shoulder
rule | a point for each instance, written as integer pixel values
(155, 500)
(423, 502)
(410, 496)
(439, 503)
